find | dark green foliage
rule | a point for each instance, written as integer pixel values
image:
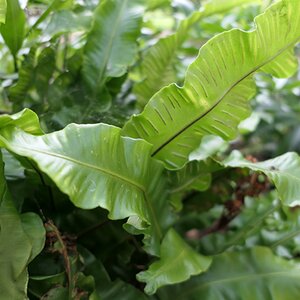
(177, 180)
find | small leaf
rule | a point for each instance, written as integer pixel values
(178, 263)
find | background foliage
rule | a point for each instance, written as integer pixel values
(180, 178)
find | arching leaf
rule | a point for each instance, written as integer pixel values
(157, 63)
(178, 262)
(95, 166)
(218, 85)
(252, 274)
(26, 119)
(283, 171)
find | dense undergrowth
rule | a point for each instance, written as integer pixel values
(150, 149)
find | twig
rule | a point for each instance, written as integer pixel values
(246, 186)
(54, 234)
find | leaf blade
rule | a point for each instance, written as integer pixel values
(13, 31)
(115, 30)
(158, 60)
(283, 171)
(217, 88)
(178, 262)
(250, 274)
(95, 166)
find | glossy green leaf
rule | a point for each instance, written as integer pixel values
(178, 262)
(26, 119)
(283, 171)
(21, 239)
(255, 274)
(156, 67)
(13, 31)
(111, 44)
(3, 7)
(95, 166)
(218, 86)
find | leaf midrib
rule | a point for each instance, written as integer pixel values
(288, 273)
(223, 96)
(100, 77)
(84, 164)
(155, 223)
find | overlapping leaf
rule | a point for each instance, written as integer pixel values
(26, 119)
(218, 85)
(178, 263)
(111, 44)
(283, 171)
(252, 274)
(21, 239)
(95, 166)
(156, 67)
(195, 175)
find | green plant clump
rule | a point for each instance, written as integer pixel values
(149, 149)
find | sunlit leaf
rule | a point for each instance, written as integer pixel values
(95, 166)
(26, 119)
(218, 86)
(156, 66)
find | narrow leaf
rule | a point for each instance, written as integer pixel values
(252, 274)
(218, 86)
(283, 171)
(178, 263)
(13, 31)
(111, 44)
